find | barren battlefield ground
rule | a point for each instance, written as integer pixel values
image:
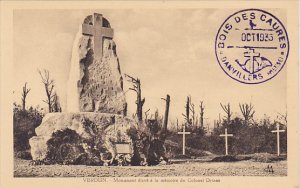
(23, 168)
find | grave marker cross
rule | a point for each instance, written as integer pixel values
(278, 138)
(183, 139)
(226, 140)
(98, 32)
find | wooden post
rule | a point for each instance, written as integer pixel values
(226, 140)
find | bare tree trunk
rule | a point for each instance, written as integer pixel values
(192, 109)
(227, 110)
(139, 102)
(146, 114)
(220, 120)
(165, 126)
(247, 112)
(201, 114)
(24, 95)
(55, 104)
(49, 86)
(187, 111)
(48, 99)
(283, 117)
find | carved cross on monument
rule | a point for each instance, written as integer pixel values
(278, 139)
(226, 140)
(183, 139)
(98, 32)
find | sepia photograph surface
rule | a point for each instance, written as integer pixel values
(170, 94)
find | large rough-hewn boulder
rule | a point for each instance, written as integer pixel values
(67, 136)
(95, 82)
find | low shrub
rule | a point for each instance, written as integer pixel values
(24, 155)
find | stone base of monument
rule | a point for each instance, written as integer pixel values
(83, 138)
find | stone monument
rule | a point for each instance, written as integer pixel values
(99, 83)
(95, 121)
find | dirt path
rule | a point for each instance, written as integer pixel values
(23, 168)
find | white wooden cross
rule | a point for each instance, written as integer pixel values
(226, 140)
(98, 32)
(183, 139)
(278, 139)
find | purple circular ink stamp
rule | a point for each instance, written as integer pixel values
(252, 46)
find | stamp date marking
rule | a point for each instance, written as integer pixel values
(252, 46)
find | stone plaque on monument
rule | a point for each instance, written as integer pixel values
(123, 148)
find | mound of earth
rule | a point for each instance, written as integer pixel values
(225, 158)
(267, 157)
(174, 149)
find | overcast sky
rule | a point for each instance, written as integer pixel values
(171, 51)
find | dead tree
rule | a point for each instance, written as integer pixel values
(201, 106)
(139, 101)
(165, 125)
(247, 111)
(227, 110)
(146, 114)
(156, 115)
(187, 111)
(196, 121)
(283, 117)
(55, 103)
(192, 109)
(218, 121)
(49, 86)
(24, 95)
